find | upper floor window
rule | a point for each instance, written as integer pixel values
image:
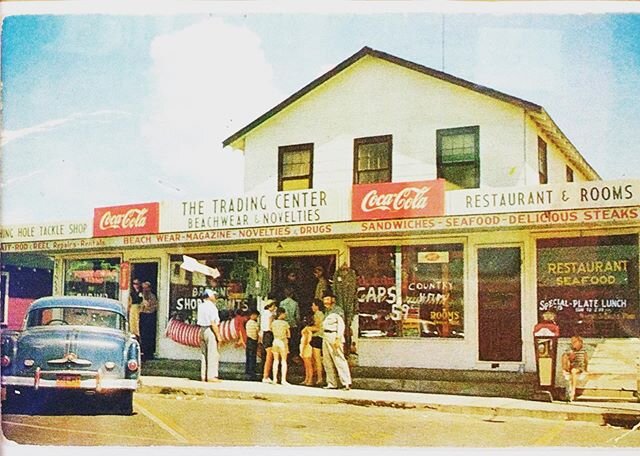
(372, 159)
(458, 157)
(543, 171)
(569, 174)
(295, 167)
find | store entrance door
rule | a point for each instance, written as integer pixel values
(297, 272)
(147, 271)
(499, 302)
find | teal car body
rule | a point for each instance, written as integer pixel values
(72, 343)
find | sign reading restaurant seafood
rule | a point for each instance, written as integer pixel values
(397, 200)
(275, 209)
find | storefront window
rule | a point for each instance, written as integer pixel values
(376, 290)
(591, 284)
(430, 302)
(433, 291)
(94, 277)
(186, 288)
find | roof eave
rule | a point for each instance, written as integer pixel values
(552, 131)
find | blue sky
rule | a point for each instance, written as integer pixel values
(113, 109)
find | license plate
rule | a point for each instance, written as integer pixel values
(68, 381)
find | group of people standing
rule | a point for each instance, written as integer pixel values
(278, 330)
(320, 344)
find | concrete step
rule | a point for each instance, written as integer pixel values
(435, 381)
(485, 389)
(628, 382)
(593, 395)
(595, 392)
(452, 375)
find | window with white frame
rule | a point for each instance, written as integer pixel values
(295, 167)
(372, 159)
(458, 157)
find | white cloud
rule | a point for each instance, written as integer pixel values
(209, 80)
(49, 125)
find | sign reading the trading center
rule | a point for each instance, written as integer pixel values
(266, 210)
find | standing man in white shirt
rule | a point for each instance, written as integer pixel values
(209, 322)
(333, 345)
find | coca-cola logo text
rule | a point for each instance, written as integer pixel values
(133, 218)
(126, 220)
(397, 200)
(410, 198)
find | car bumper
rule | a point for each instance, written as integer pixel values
(95, 384)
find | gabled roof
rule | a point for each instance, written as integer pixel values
(537, 112)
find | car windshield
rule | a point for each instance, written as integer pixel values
(80, 316)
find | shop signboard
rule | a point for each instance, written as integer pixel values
(591, 284)
(266, 210)
(397, 200)
(130, 219)
(45, 231)
(575, 195)
(625, 216)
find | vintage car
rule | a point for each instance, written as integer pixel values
(72, 344)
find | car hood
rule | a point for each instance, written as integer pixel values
(71, 348)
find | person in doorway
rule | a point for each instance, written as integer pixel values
(292, 310)
(209, 322)
(322, 285)
(135, 299)
(265, 337)
(333, 328)
(574, 365)
(280, 348)
(148, 312)
(252, 329)
(291, 282)
(317, 306)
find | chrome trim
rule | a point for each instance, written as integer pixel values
(36, 378)
(88, 384)
(71, 358)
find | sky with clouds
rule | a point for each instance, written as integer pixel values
(107, 109)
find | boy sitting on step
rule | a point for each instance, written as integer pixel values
(574, 365)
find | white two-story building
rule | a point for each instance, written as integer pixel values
(448, 216)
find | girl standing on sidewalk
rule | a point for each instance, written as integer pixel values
(306, 352)
(280, 348)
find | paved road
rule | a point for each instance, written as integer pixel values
(171, 420)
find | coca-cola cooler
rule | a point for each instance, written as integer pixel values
(545, 336)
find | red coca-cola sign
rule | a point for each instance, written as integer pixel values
(398, 200)
(126, 220)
